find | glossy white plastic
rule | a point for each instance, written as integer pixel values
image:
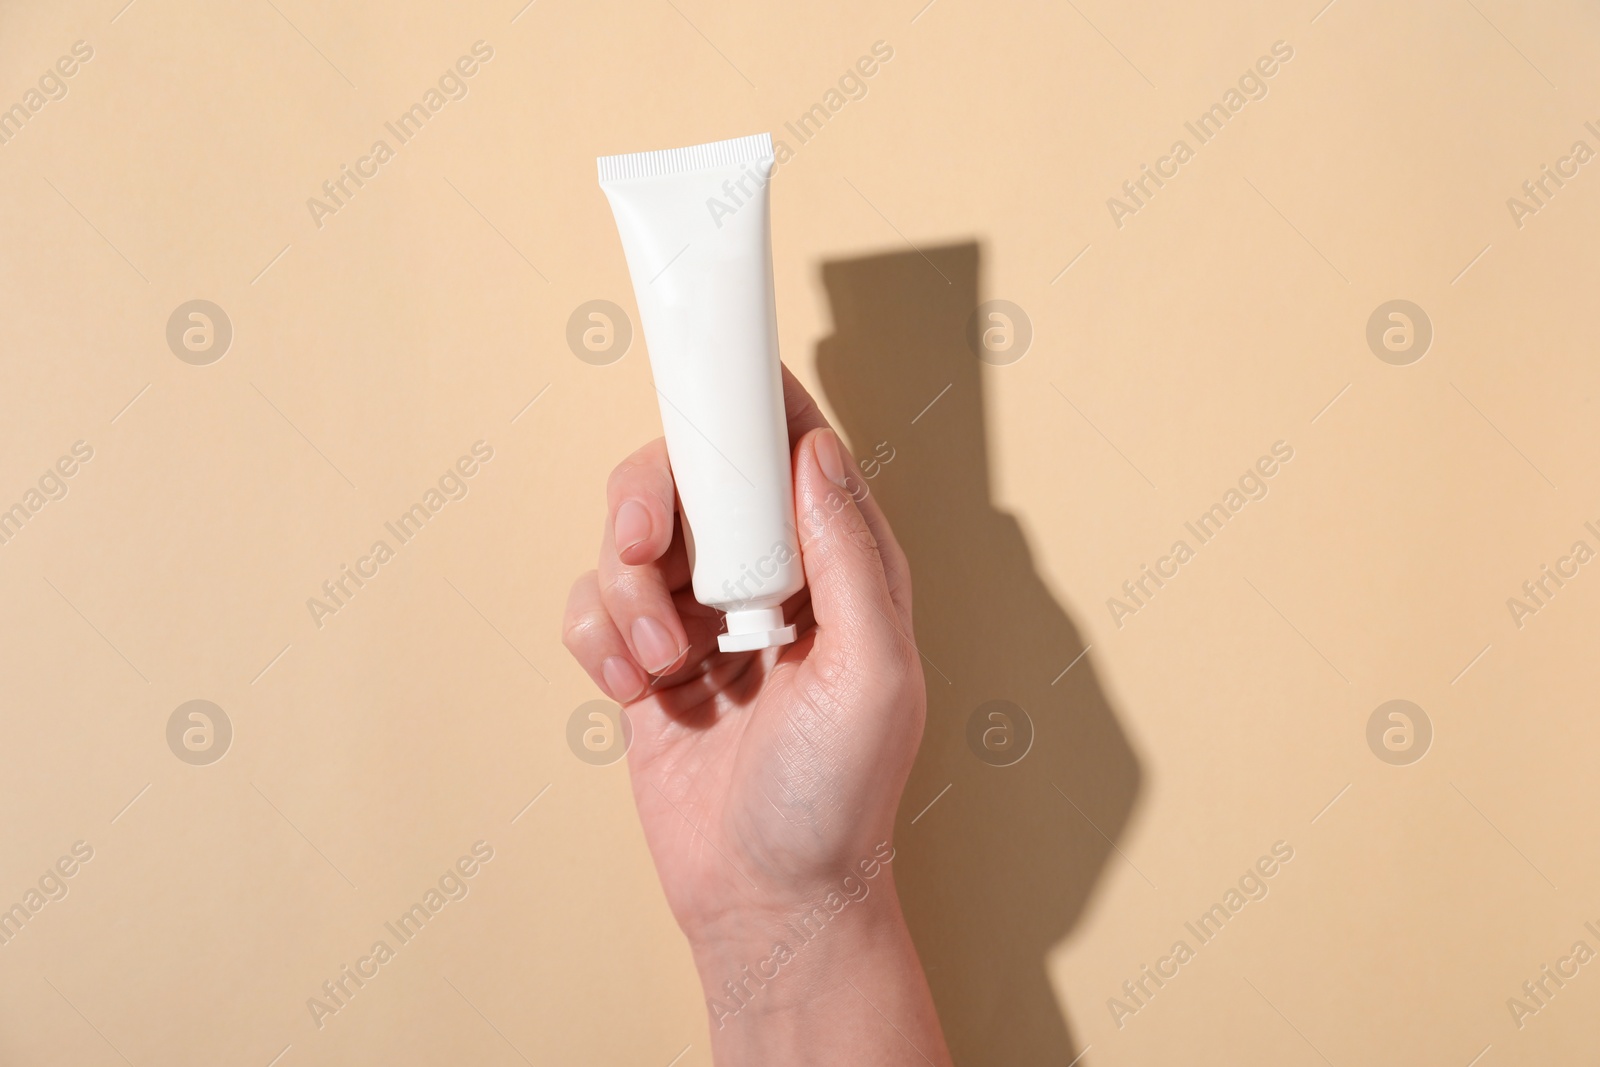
(696, 231)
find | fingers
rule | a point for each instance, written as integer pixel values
(858, 620)
(642, 560)
(701, 625)
(639, 602)
(641, 499)
(802, 411)
(804, 416)
(634, 619)
(593, 640)
(591, 635)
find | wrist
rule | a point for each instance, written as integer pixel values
(835, 983)
(777, 960)
(747, 917)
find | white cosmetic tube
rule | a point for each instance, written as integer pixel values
(696, 232)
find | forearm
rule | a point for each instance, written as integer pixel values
(821, 986)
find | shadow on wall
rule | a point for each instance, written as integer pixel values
(1000, 869)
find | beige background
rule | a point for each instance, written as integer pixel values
(1227, 715)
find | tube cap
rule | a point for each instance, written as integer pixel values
(755, 628)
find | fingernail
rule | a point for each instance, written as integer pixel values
(657, 650)
(622, 679)
(632, 525)
(830, 457)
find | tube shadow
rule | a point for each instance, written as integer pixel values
(1000, 868)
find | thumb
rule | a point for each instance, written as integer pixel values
(856, 616)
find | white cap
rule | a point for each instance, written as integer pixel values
(755, 628)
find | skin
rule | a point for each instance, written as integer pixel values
(767, 782)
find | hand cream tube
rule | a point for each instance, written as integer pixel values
(695, 229)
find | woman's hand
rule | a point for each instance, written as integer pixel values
(767, 782)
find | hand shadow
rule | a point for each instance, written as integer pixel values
(999, 869)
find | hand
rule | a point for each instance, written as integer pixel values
(765, 779)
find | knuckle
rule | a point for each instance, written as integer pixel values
(625, 585)
(908, 663)
(901, 593)
(582, 630)
(644, 474)
(582, 590)
(618, 481)
(858, 537)
(898, 571)
(833, 686)
(879, 658)
(583, 613)
(895, 557)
